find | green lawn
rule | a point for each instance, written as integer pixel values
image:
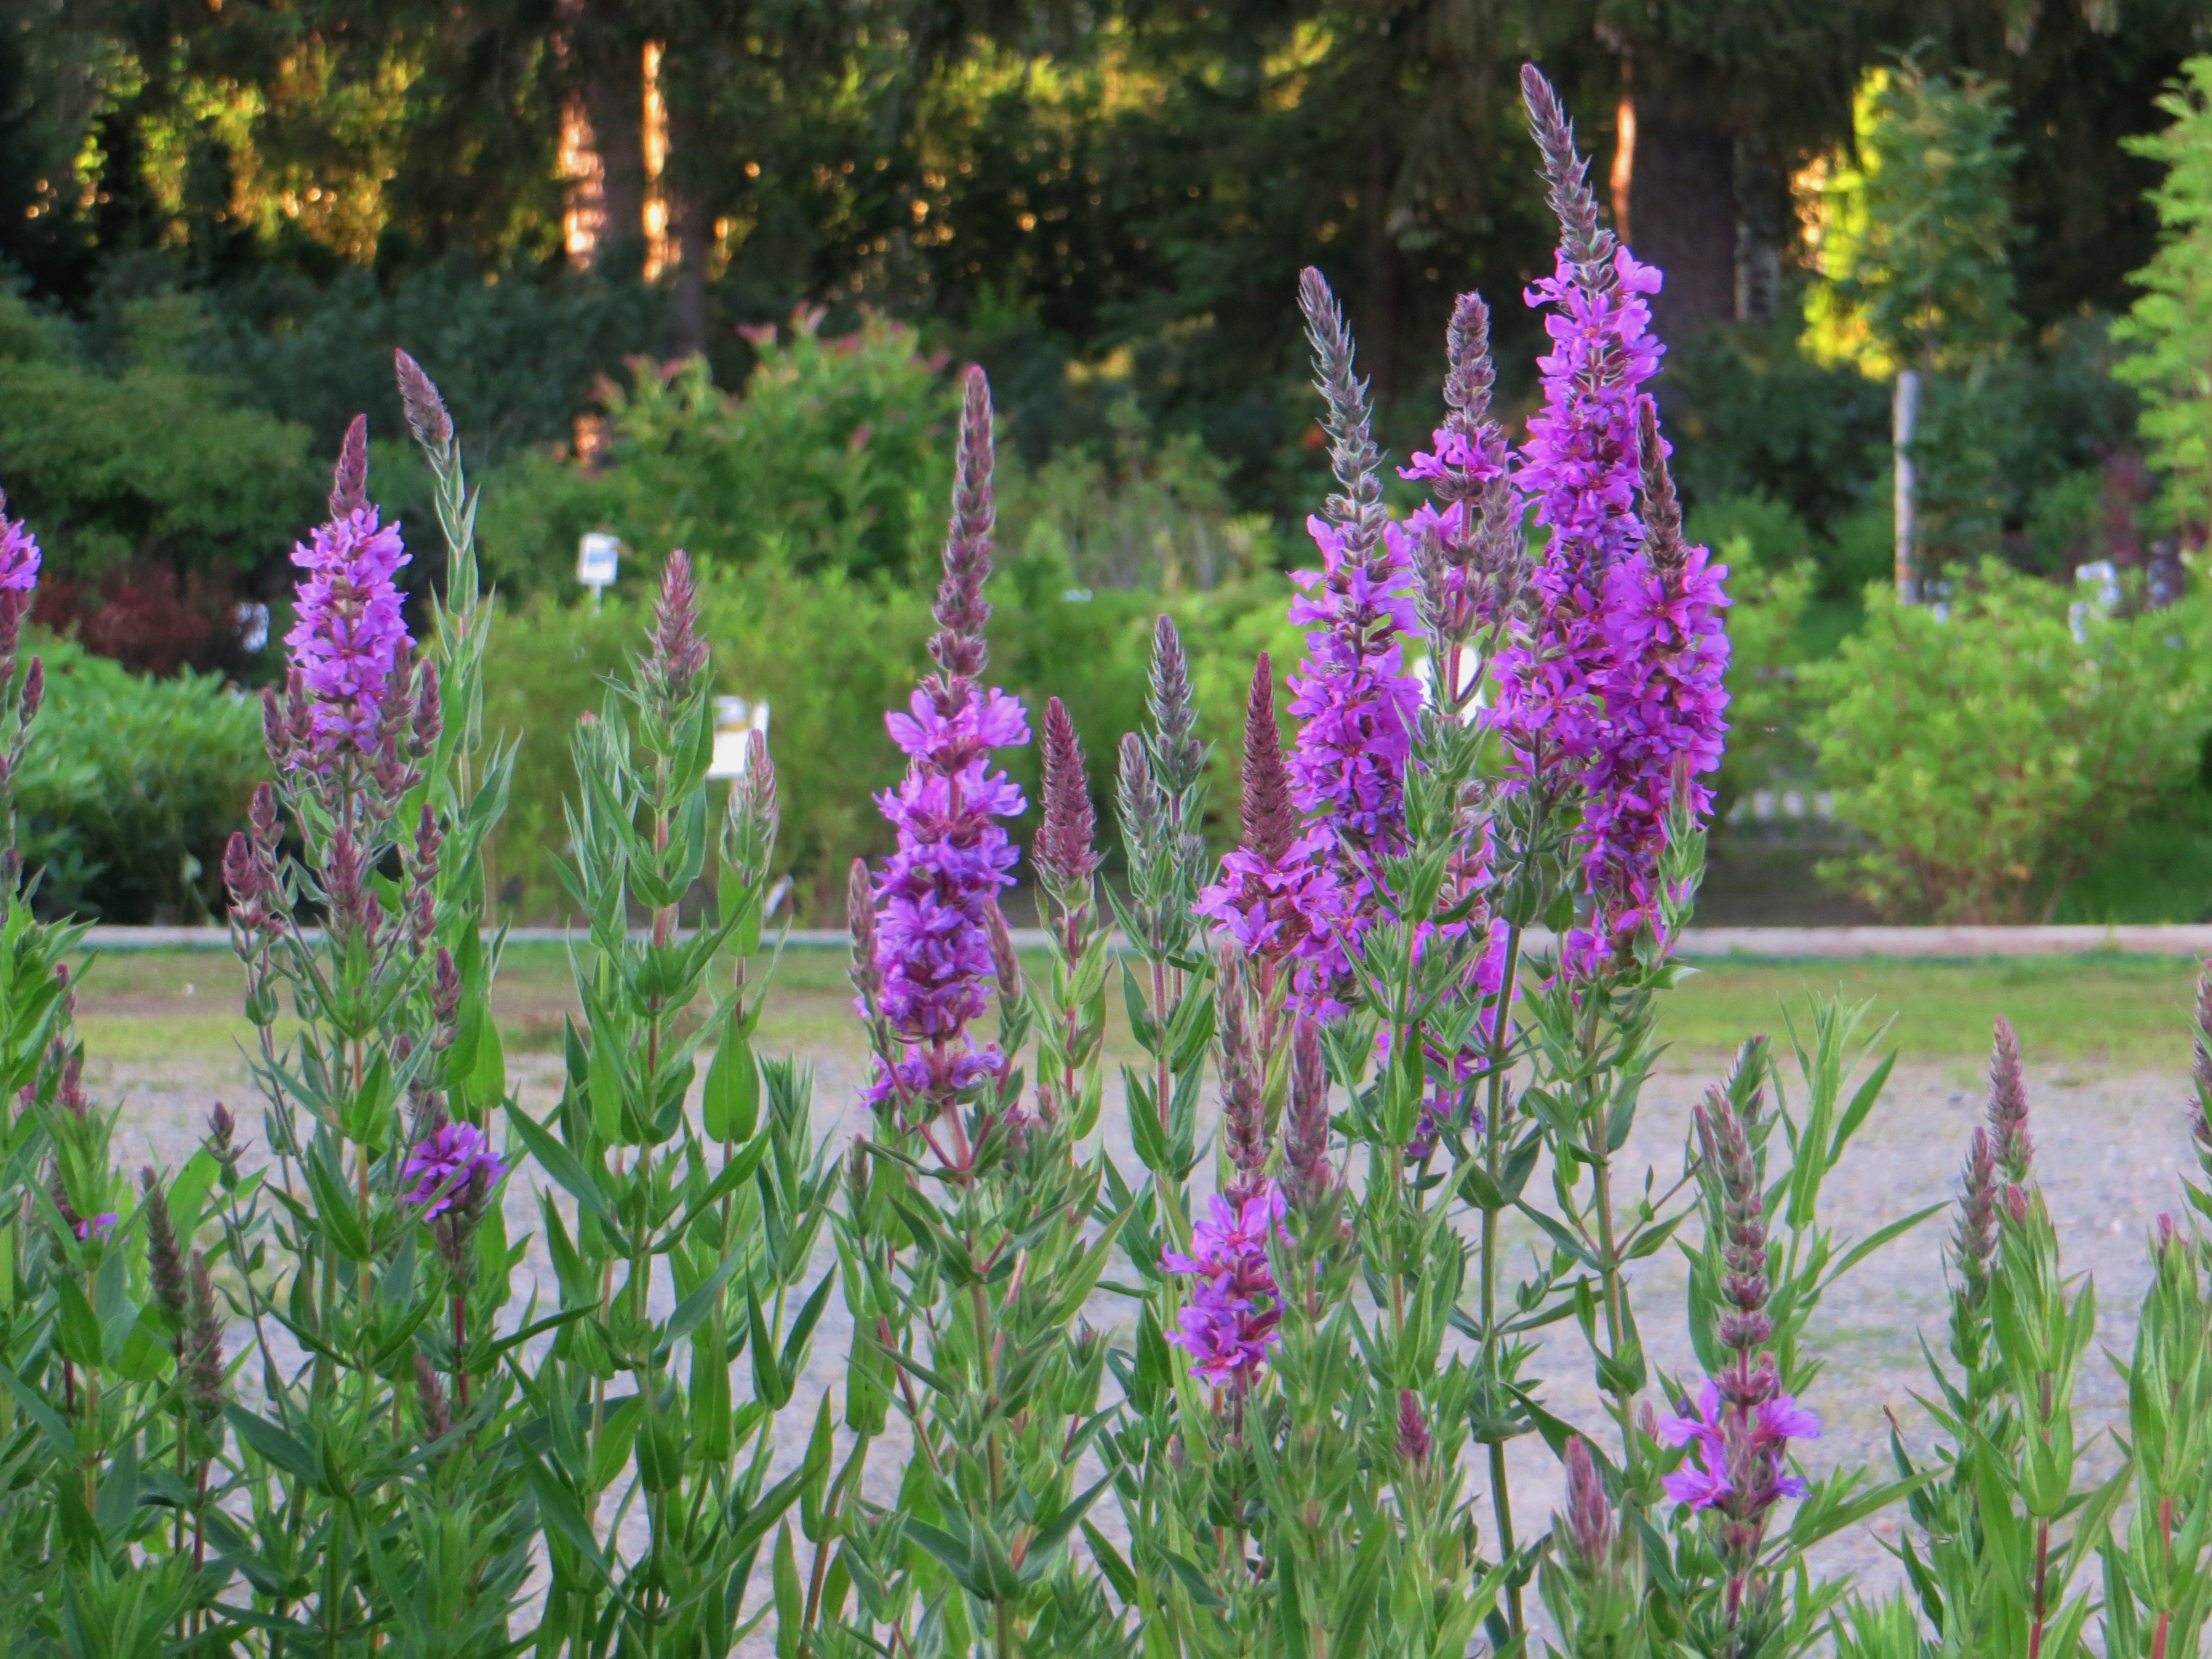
(2104, 1010)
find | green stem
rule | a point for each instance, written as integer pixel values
(1493, 1160)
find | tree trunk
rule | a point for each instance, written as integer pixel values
(1682, 210)
(614, 99)
(689, 235)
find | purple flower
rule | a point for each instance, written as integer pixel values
(1737, 1460)
(446, 1167)
(19, 556)
(1236, 1310)
(1357, 707)
(1228, 1335)
(1582, 465)
(349, 640)
(1227, 1233)
(935, 896)
(102, 1224)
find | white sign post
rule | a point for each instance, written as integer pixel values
(596, 557)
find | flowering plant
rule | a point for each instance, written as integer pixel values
(287, 1396)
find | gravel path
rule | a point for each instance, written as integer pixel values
(2108, 1150)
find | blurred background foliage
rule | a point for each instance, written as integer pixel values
(701, 274)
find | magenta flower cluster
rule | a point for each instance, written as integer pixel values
(1236, 1309)
(349, 640)
(1737, 1462)
(1357, 707)
(1619, 687)
(449, 1164)
(934, 894)
(19, 556)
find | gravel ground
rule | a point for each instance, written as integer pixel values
(2108, 1149)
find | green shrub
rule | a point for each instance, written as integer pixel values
(1987, 754)
(830, 656)
(834, 458)
(2171, 325)
(151, 462)
(133, 788)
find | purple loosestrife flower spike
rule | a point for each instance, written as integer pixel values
(1356, 704)
(349, 641)
(1256, 900)
(1065, 858)
(860, 920)
(1308, 1177)
(1589, 1531)
(961, 611)
(349, 479)
(1414, 1441)
(449, 1167)
(1974, 1246)
(430, 1398)
(20, 557)
(2008, 1110)
(1178, 757)
(427, 417)
(1734, 1170)
(1243, 1104)
(165, 1262)
(1587, 245)
(935, 893)
(1271, 819)
(1235, 1312)
(1463, 542)
(678, 654)
(200, 1358)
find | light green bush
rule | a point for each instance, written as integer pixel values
(1988, 754)
(151, 462)
(830, 655)
(2171, 325)
(133, 788)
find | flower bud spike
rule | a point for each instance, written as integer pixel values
(430, 1398)
(1065, 858)
(678, 654)
(1005, 966)
(1307, 1176)
(1662, 510)
(1590, 1529)
(1270, 816)
(165, 1262)
(1587, 244)
(1414, 1441)
(201, 1359)
(2008, 1108)
(1244, 1103)
(427, 417)
(1352, 455)
(961, 611)
(1177, 755)
(350, 480)
(35, 689)
(1471, 375)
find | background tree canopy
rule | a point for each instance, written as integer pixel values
(1097, 201)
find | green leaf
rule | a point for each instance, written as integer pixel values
(730, 1105)
(277, 1445)
(563, 1165)
(58, 1434)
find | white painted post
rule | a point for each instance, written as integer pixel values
(1905, 417)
